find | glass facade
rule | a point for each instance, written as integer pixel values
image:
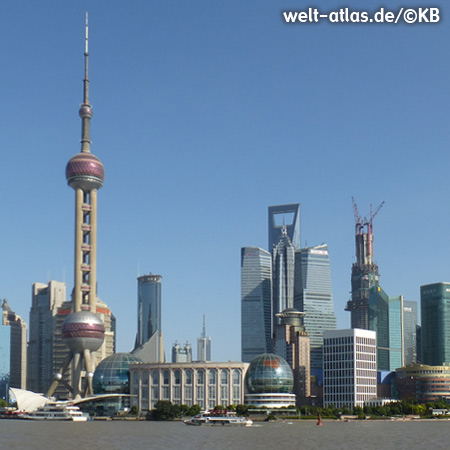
(409, 332)
(313, 295)
(149, 308)
(256, 302)
(386, 318)
(268, 373)
(112, 375)
(435, 312)
(283, 267)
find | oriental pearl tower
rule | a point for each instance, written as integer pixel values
(83, 330)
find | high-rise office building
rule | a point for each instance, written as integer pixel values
(386, 319)
(350, 367)
(149, 307)
(18, 341)
(410, 332)
(204, 345)
(181, 354)
(435, 312)
(314, 297)
(83, 331)
(149, 344)
(364, 270)
(283, 266)
(287, 216)
(256, 302)
(292, 343)
(5, 361)
(45, 301)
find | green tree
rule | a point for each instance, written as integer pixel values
(164, 410)
(242, 410)
(194, 410)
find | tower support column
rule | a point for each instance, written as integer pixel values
(93, 258)
(78, 251)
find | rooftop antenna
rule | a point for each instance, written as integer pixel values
(204, 327)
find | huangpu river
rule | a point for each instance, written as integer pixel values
(298, 435)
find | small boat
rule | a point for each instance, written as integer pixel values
(58, 411)
(228, 418)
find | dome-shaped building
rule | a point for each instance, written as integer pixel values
(269, 382)
(112, 375)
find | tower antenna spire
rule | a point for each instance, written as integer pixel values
(204, 327)
(86, 109)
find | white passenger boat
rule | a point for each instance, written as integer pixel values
(58, 411)
(228, 418)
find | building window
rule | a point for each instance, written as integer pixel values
(212, 376)
(177, 377)
(166, 378)
(155, 378)
(188, 375)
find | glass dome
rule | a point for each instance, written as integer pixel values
(269, 374)
(112, 375)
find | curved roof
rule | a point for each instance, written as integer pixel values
(28, 401)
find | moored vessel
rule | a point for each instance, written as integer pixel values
(55, 411)
(222, 417)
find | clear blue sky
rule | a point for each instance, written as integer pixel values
(206, 113)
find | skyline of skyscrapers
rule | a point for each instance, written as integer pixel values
(256, 302)
(314, 296)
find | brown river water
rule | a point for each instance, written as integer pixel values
(302, 435)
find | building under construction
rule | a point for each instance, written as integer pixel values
(364, 271)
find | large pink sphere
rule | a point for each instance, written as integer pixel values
(85, 171)
(83, 330)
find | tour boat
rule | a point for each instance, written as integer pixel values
(219, 418)
(55, 411)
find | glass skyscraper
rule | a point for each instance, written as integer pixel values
(149, 308)
(256, 302)
(435, 312)
(283, 267)
(313, 296)
(410, 332)
(386, 318)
